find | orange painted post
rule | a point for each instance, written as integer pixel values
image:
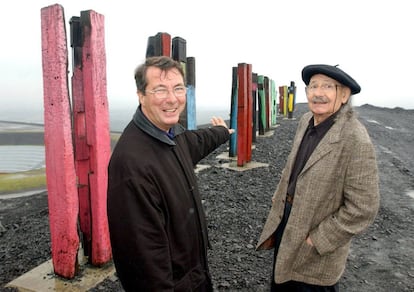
(60, 167)
(97, 130)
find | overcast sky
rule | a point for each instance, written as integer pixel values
(371, 40)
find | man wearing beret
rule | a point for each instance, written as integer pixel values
(328, 190)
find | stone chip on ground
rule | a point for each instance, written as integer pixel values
(237, 204)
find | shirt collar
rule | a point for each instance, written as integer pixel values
(142, 122)
(323, 127)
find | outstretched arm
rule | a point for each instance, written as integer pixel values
(218, 121)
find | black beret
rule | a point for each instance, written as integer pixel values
(332, 71)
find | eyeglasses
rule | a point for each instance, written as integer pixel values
(325, 87)
(162, 93)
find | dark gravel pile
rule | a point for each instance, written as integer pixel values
(237, 203)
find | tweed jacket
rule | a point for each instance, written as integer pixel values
(336, 197)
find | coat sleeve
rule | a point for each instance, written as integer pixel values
(360, 199)
(204, 141)
(139, 241)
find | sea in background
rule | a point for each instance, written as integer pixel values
(119, 117)
(19, 158)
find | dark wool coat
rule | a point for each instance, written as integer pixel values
(336, 197)
(156, 220)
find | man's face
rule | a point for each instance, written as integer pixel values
(325, 96)
(164, 98)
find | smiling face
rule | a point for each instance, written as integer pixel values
(162, 112)
(325, 96)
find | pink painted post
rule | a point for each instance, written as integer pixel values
(97, 130)
(60, 168)
(79, 137)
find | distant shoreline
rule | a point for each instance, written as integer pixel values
(119, 119)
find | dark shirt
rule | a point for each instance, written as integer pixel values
(310, 140)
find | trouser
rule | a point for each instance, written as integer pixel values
(292, 286)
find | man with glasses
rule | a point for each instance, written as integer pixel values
(156, 220)
(328, 191)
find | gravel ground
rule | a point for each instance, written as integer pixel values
(237, 203)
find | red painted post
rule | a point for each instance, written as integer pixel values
(281, 102)
(79, 137)
(249, 121)
(97, 130)
(165, 44)
(242, 114)
(159, 45)
(60, 168)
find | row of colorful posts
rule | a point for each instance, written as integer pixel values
(77, 135)
(254, 104)
(254, 108)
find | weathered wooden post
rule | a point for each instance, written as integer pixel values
(159, 45)
(79, 136)
(254, 106)
(249, 112)
(244, 114)
(273, 98)
(76, 183)
(291, 101)
(285, 100)
(60, 166)
(191, 94)
(281, 97)
(262, 104)
(266, 86)
(97, 130)
(179, 53)
(233, 113)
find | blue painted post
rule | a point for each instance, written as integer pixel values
(233, 114)
(273, 105)
(191, 96)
